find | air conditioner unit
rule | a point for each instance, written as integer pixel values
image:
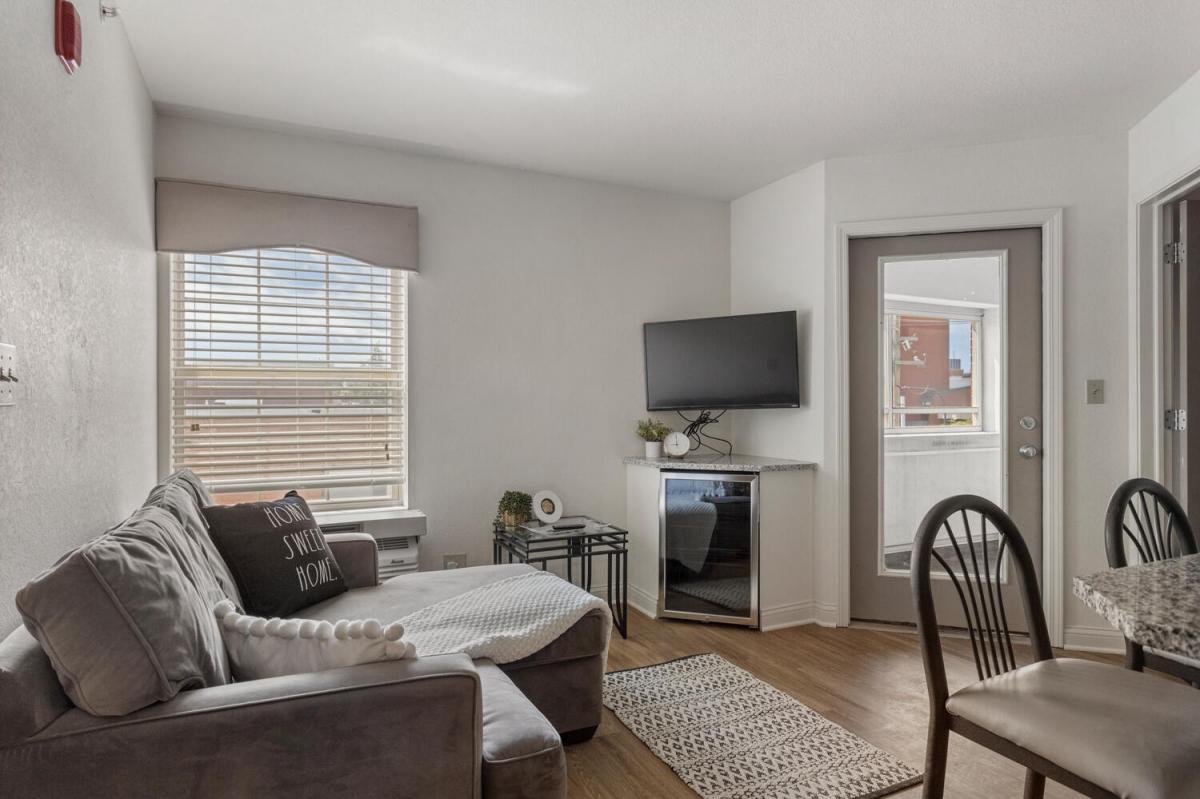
(397, 533)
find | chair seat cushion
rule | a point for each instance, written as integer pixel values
(394, 599)
(522, 753)
(1131, 733)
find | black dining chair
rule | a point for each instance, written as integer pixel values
(1145, 518)
(1099, 729)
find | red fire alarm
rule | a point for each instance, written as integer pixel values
(68, 36)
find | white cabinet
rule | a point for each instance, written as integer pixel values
(691, 584)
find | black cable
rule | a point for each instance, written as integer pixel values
(695, 432)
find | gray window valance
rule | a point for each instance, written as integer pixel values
(206, 218)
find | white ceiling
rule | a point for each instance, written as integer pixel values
(708, 97)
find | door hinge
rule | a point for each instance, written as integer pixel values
(1175, 419)
(1173, 253)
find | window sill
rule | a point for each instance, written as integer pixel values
(353, 515)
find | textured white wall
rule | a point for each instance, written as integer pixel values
(777, 263)
(76, 291)
(525, 321)
(1087, 177)
(775, 253)
(1164, 146)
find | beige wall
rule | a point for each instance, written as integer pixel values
(525, 321)
(76, 291)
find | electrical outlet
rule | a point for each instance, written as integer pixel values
(8, 374)
(454, 561)
(1095, 392)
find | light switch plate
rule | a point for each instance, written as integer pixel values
(8, 364)
(1095, 392)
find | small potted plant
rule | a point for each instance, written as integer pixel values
(652, 432)
(516, 507)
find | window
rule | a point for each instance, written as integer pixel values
(287, 370)
(931, 381)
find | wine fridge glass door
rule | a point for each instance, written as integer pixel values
(708, 539)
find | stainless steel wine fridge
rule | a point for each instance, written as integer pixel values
(708, 547)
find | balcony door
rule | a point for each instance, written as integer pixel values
(945, 357)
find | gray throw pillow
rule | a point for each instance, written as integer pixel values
(123, 624)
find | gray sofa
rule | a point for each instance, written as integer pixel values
(442, 726)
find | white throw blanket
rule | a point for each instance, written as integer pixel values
(506, 620)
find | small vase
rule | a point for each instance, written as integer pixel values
(653, 449)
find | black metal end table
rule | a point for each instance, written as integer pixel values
(522, 546)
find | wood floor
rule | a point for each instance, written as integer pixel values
(870, 681)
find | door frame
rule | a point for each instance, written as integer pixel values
(1050, 222)
(1146, 326)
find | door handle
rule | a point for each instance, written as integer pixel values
(1028, 452)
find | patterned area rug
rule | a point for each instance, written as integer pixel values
(729, 735)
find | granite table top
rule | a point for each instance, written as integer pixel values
(1153, 604)
(721, 463)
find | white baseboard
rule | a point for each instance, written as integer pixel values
(644, 602)
(778, 618)
(1094, 639)
(826, 614)
(791, 615)
(796, 614)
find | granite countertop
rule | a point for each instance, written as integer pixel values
(1153, 604)
(721, 463)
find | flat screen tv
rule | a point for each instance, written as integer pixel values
(725, 362)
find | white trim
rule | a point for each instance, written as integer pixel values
(826, 614)
(794, 614)
(797, 614)
(162, 379)
(1146, 242)
(1050, 221)
(374, 514)
(643, 601)
(1093, 639)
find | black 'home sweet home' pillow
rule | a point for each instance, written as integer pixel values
(277, 554)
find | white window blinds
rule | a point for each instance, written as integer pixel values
(288, 371)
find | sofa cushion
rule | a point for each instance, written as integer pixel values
(522, 753)
(277, 554)
(209, 571)
(394, 599)
(122, 622)
(30, 697)
(187, 479)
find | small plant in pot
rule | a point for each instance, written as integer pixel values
(652, 432)
(516, 507)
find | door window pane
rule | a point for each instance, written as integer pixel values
(942, 355)
(930, 378)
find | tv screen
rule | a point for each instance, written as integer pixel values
(747, 361)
